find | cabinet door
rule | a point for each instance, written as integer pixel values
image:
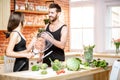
(4, 13)
(1, 68)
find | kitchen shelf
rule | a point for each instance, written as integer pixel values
(33, 12)
(49, 0)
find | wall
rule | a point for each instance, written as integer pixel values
(29, 30)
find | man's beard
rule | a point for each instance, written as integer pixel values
(54, 18)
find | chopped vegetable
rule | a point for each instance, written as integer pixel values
(60, 71)
(43, 72)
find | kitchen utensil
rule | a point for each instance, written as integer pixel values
(48, 44)
(47, 54)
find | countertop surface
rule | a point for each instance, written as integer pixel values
(35, 75)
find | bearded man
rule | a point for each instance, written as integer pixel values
(59, 32)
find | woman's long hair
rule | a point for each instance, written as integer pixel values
(14, 20)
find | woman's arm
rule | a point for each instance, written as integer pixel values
(9, 50)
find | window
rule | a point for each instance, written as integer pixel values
(112, 25)
(82, 27)
(94, 22)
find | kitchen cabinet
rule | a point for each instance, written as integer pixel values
(1, 68)
(4, 13)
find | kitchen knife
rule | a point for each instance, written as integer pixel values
(47, 54)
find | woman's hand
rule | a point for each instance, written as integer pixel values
(40, 58)
(29, 55)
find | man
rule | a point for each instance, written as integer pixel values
(59, 31)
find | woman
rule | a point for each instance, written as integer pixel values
(17, 43)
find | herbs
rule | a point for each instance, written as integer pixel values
(89, 48)
(97, 63)
(88, 53)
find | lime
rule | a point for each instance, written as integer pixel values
(35, 68)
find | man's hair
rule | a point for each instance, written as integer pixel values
(54, 5)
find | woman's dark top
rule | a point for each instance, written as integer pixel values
(57, 53)
(20, 63)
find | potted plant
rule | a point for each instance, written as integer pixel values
(46, 21)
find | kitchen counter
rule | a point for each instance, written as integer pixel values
(35, 75)
(107, 55)
(96, 72)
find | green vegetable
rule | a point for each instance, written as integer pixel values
(86, 64)
(43, 66)
(43, 72)
(99, 63)
(56, 65)
(89, 48)
(73, 64)
(35, 68)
